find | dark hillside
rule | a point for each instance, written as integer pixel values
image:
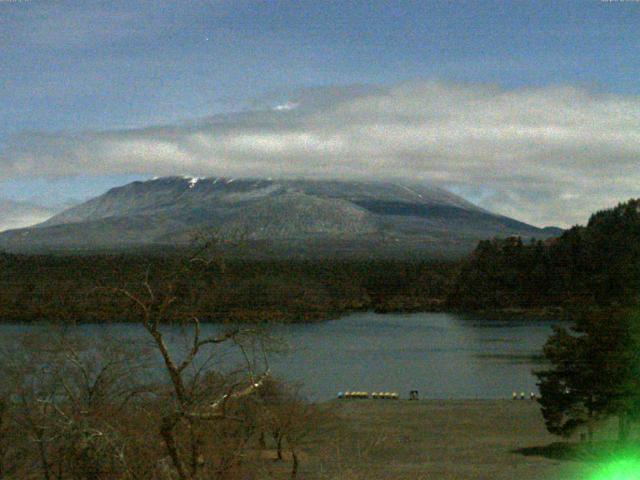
(597, 265)
(79, 288)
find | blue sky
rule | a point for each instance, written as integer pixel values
(68, 68)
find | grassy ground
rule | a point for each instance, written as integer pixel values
(475, 440)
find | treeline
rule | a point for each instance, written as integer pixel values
(89, 288)
(589, 267)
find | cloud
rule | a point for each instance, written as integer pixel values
(545, 155)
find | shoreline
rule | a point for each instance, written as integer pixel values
(502, 314)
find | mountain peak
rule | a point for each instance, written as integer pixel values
(292, 214)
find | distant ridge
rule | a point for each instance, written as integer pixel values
(21, 214)
(286, 217)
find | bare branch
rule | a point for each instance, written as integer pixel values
(198, 344)
(242, 393)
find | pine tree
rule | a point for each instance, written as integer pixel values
(594, 373)
(565, 396)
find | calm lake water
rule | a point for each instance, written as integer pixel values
(444, 356)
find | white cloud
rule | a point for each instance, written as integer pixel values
(547, 156)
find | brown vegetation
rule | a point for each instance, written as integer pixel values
(76, 408)
(71, 288)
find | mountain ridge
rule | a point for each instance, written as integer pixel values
(300, 216)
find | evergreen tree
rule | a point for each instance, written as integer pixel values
(594, 373)
(565, 396)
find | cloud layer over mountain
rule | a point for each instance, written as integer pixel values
(547, 155)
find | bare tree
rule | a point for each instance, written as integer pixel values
(288, 418)
(198, 398)
(76, 407)
(65, 399)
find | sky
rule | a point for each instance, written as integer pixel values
(529, 109)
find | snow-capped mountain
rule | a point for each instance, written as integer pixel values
(290, 216)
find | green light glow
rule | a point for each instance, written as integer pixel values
(619, 469)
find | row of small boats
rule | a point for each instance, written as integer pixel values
(375, 395)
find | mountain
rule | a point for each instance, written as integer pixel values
(22, 214)
(290, 217)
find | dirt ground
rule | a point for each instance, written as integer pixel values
(475, 440)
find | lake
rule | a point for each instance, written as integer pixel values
(442, 355)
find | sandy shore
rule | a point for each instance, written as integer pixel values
(475, 439)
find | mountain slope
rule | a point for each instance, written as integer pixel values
(304, 217)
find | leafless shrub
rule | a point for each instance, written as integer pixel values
(64, 399)
(289, 420)
(82, 408)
